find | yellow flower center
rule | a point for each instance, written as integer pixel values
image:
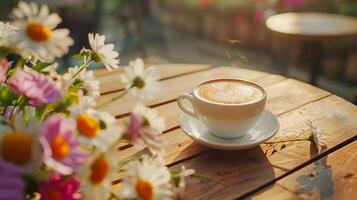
(99, 170)
(60, 147)
(138, 82)
(38, 32)
(16, 147)
(96, 57)
(144, 190)
(54, 194)
(87, 125)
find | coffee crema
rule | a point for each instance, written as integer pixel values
(229, 92)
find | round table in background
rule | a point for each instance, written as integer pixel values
(313, 29)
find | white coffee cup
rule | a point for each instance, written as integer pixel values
(225, 120)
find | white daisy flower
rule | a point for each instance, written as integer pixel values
(82, 106)
(146, 180)
(180, 181)
(5, 31)
(99, 129)
(144, 127)
(37, 34)
(85, 102)
(103, 53)
(89, 84)
(140, 81)
(19, 144)
(97, 175)
(151, 118)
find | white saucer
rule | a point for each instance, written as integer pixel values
(265, 128)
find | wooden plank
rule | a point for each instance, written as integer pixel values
(240, 171)
(111, 81)
(171, 112)
(291, 94)
(171, 88)
(180, 146)
(342, 164)
(248, 169)
(103, 71)
(277, 192)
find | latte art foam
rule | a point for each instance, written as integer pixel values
(229, 92)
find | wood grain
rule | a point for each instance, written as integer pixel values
(171, 111)
(180, 146)
(277, 193)
(338, 123)
(277, 102)
(110, 82)
(103, 71)
(171, 88)
(243, 171)
(344, 171)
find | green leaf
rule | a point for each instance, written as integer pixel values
(3, 52)
(6, 95)
(22, 102)
(83, 55)
(41, 111)
(78, 56)
(40, 66)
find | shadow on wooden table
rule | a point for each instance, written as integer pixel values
(247, 168)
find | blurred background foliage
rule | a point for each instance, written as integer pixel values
(217, 32)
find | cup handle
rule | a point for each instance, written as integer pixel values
(189, 97)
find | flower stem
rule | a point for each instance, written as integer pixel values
(121, 95)
(12, 112)
(209, 179)
(84, 65)
(292, 140)
(20, 103)
(20, 63)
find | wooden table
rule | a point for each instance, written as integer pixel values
(313, 29)
(265, 172)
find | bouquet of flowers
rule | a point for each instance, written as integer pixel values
(54, 142)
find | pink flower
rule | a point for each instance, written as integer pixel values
(4, 66)
(38, 88)
(139, 134)
(58, 187)
(133, 130)
(11, 184)
(61, 149)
